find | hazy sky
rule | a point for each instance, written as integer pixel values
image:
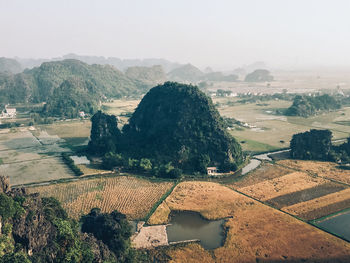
(216, 33)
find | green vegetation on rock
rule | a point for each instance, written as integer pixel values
(317, 145)
(306, 106)
(175, 126)
(38, 84)
(71, 97)
(35, 229)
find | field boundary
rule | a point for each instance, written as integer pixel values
(155, 206)
(284, 212)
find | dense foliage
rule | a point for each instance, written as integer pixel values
(317, 145)
(112, 229)
(105, 135)
(306, 106)
(311, 145)
(175, 126)
(259, 75)
(38, 84)
(35, 229)
(69, 161)
(71, 97)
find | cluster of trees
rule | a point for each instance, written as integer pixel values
(174, 124)
(306, 106)
(35, 229)
(317, 145)
(69, 161)
(144, 165)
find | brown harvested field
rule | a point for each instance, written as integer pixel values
(321, 206)
(255, 233)
(324, 169)
(211, 200)
(282, 185)
(266, 171)
(129, 195)
(189, 253)
(306, 194)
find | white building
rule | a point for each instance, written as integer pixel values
(82, 114)
(9, 113)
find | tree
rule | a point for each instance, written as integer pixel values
(112, 229)
(311, 145)
(145, 165)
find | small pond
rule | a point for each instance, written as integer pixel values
(338, 224)
(185, 225)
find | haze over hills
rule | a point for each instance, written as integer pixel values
(8, 65)
(38, 84)
(121, 64)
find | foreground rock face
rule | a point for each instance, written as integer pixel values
(33, 229)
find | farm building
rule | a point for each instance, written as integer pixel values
(8, 113)
(212, 170)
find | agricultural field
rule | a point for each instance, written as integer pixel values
(291, 81)
(270, 131)
(73, 133)
(254, 232)
(129, 195)
(33, 154)
(306, 189)
(121, 108)
(323, 169)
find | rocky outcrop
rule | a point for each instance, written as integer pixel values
(4, 184)
(32, 229)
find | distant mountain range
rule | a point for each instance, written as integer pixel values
(38, 84)
(121, 64)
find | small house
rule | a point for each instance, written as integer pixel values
(212, 170)
(82, 114)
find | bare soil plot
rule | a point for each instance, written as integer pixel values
(282, 185)
(36, 171)
(129, 195)
(306, 194)
(150, 236)
(254, 232)
(266, 171)
(323, 169)
(322, 206)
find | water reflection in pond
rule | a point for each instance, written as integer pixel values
(190, 225)
(339, 225)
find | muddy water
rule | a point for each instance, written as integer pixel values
(190, 225)
(339, 225)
